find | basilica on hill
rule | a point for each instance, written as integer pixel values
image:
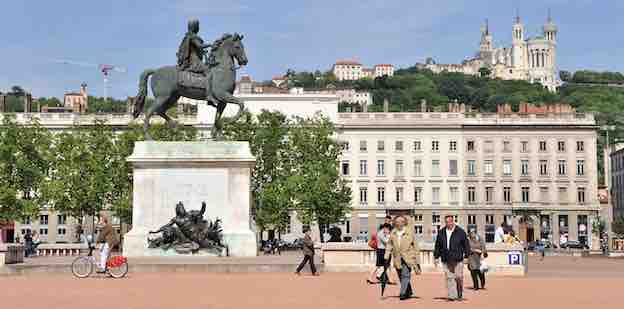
(532, 59)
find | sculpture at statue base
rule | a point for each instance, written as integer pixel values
(188, 232)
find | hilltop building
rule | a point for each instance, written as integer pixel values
(532, 59)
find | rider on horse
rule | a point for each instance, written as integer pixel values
(191, 51)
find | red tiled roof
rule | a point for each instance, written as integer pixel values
(278, 78)
(246, 78)
(347, 62)
(384, 65)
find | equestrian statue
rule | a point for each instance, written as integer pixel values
(203, 72)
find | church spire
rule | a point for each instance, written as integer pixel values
(517, 16)
(487, 27)
(549, 16)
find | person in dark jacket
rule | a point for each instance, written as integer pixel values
(451, 247)
(308, 253)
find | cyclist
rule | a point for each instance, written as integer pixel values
(108, 240)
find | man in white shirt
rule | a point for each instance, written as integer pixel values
(499, 235)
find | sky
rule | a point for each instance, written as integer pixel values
(36, 36)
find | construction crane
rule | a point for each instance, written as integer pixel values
(106, 69)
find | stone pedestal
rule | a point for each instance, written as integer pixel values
(165, 173)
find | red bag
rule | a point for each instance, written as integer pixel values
(116, 261)
(373, 242)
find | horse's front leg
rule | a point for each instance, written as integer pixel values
(228, 98)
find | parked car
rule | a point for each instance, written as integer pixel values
(574, 244)
(534, 245)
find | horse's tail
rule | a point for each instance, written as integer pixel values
(139, 101)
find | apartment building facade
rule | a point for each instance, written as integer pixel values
(484, 169)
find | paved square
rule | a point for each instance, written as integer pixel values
(558, 282)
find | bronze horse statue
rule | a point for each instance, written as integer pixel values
(217, 87)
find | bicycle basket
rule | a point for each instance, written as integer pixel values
(116, 261)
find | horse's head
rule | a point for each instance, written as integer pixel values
(234, 45)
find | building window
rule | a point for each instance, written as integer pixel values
(418, 195)
(452, 167)
(363, 167)
(435, 146)
(561, 146)
(524, 168)
(562, 167)
(43, 219)
(417, 168)
(435, 195)
(381, 146)
(454, 194)
(363, 195)
(525, 194)
(507, 167)
(543, 165)
(381, 171)
(363, 146)
(472, 219)
(435, 219)
(489, 219)
(507, 194)
(470, 146)
(43, 231)
(417, 146)
(418, 217)
(488, 146)
(61, 231)
(418, 229)
(544, 196)
(472, 195)
(506, 146)
(435, 167)
(580, 146)
(580, 167)
(399, 168)
(398, 146)
(399, 194)
(542, 146)
(345, 146)
(490, 230)
(563, 195)
(524, 146)
(489, 194)
(488, 167)
(472, 167)
(62, 219)
(381, 195)
(453, 146)
(345, 168)
(580, 195)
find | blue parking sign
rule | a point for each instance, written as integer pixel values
(515, 257)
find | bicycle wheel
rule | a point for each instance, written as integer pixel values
(118, 271)
(82, 267)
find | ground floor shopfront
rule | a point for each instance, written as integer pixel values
(559, 226)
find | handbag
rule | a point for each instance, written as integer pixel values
(373, 242)
(484, 267)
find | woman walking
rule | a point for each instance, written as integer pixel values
(477, 251)
(383, 235)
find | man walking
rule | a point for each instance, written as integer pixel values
(403, 248)
(308, 252)
(452, 247)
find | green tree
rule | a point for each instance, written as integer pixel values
(319, 193)
(24, 165)
(81, 183)
(266, 134)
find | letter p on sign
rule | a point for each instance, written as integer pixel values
(515, 258)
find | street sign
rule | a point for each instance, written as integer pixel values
(514, 257)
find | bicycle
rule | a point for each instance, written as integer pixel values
(116, 265)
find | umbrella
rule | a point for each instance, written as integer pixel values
(383, 279)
